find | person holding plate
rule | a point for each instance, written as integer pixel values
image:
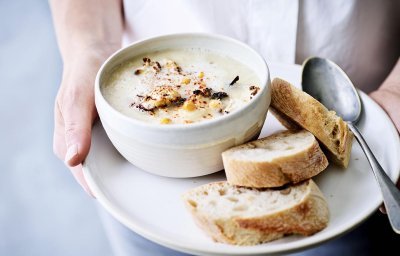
(362, 37)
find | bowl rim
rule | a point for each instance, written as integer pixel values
(192, 126)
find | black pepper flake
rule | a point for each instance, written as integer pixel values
(219, 95)
(138, 71)
(234, 80)
(206, 92)
(178, 69)
(196, 92)
(141, 107)
(179, 102)
(254, 90)
(157, 66)
(226, 112)
(146, 60)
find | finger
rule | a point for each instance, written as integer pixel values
(78, 175)
(382, 208)
(59, 147)
(78, 113)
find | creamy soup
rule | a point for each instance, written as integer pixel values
(180, 86)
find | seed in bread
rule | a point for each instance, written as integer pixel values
(279, 159)
(298, 108)
(249, 216)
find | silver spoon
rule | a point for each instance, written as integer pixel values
(328, 83)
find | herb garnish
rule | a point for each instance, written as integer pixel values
(234, 80)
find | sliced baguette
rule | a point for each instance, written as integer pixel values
(284, 157)
(248, 216)
(297, 107)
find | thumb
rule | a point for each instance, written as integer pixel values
(79, 114)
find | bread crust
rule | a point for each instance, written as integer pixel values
(306, 217)
(295, 106)
(276, 172)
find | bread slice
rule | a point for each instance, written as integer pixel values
(296, 106)
(249, 216)
(285, 157)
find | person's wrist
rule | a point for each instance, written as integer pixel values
(388, 97)
(90, 52)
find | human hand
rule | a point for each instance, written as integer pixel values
(389, 99)
(75, 112)
(87, 33)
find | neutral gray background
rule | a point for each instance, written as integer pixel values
(42, 210)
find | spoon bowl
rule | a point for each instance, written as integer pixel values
(325, 81)
(329, 84)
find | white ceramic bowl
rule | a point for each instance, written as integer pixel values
(184, 150)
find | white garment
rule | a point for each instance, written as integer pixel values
(362, 36)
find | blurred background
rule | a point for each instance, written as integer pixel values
(43, 211)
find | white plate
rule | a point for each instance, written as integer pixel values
(151, 205)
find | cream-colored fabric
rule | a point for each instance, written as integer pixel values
(362, 36)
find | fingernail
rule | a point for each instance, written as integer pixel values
(72, 151)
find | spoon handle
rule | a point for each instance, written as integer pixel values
(390, 193)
